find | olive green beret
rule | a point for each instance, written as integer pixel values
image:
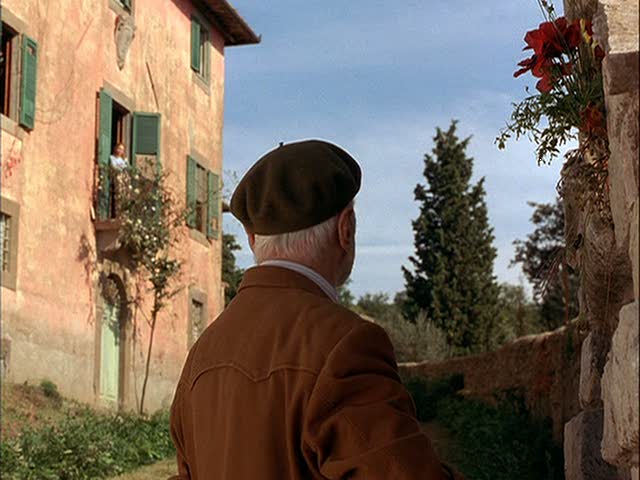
(295, 186)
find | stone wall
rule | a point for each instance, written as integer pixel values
(601, 442)
(616, 27)
(543, 368)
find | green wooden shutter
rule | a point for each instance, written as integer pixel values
(191, 191)
(104, 151)
(213, 204)
(146, 133)
(146, 137)
(196, 61)
(28, 82)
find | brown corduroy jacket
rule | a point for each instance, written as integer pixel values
(286, 384)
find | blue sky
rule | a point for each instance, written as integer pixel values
(378, 78)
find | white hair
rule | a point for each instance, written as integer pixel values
(308, 244)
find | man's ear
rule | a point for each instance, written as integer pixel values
(346, 228)
(251, 237)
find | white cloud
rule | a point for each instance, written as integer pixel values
(378, 77)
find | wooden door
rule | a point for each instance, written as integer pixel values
(110, 348)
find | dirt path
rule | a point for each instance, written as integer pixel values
(158, 471)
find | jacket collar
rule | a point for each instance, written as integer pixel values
(311, 274)
(280, 277)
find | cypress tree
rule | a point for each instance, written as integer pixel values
(452, 276)
(231, 273)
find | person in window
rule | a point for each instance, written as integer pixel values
(118, 159)
(118, 163)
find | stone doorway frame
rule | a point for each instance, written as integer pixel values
(108, 269)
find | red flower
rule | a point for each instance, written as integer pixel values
(598, 52)
(572, 34)
(526, 65)
(549, 42)
(592, 120)
(545, 84)
(552, 39)
(588, 27)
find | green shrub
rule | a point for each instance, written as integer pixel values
(414, 341)
(427, 395)
(87, 445)
(50, 390)
(500, 442)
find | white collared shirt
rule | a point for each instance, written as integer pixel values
(312, 275)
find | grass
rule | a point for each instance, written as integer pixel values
(486, 442)
(26, 406)
(160, 470)
(48, 437)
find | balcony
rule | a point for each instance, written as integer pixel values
(108, 235)
(106, 222)
(118, 190)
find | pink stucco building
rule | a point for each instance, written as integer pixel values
(78, 77)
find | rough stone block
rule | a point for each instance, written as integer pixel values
(621, 392)
(622, 125)
(616, 26)
(634, 248)
(580, 8)
(583, 460)
(592, 359)
(635, 473)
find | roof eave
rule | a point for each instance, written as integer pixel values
(234, 28)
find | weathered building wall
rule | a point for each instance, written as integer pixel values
(543, 368)
(51, 319)
(602, 441)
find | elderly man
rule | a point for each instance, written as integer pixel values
(286, 383)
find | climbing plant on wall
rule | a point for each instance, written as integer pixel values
(152, 220)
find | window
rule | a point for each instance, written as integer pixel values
(5, 236)
(7, 65)
(140, 134)
(18, 75)
(120, 128)
(197, 315)
(9, 218)
(199, 49)
(203, 199)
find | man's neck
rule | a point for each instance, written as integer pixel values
(325, 271)
(329, 289)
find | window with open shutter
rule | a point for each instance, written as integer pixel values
(28, 82)
(145, 151)
(104, 151)
(213, 210)
(196, 58)
(191, 191)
